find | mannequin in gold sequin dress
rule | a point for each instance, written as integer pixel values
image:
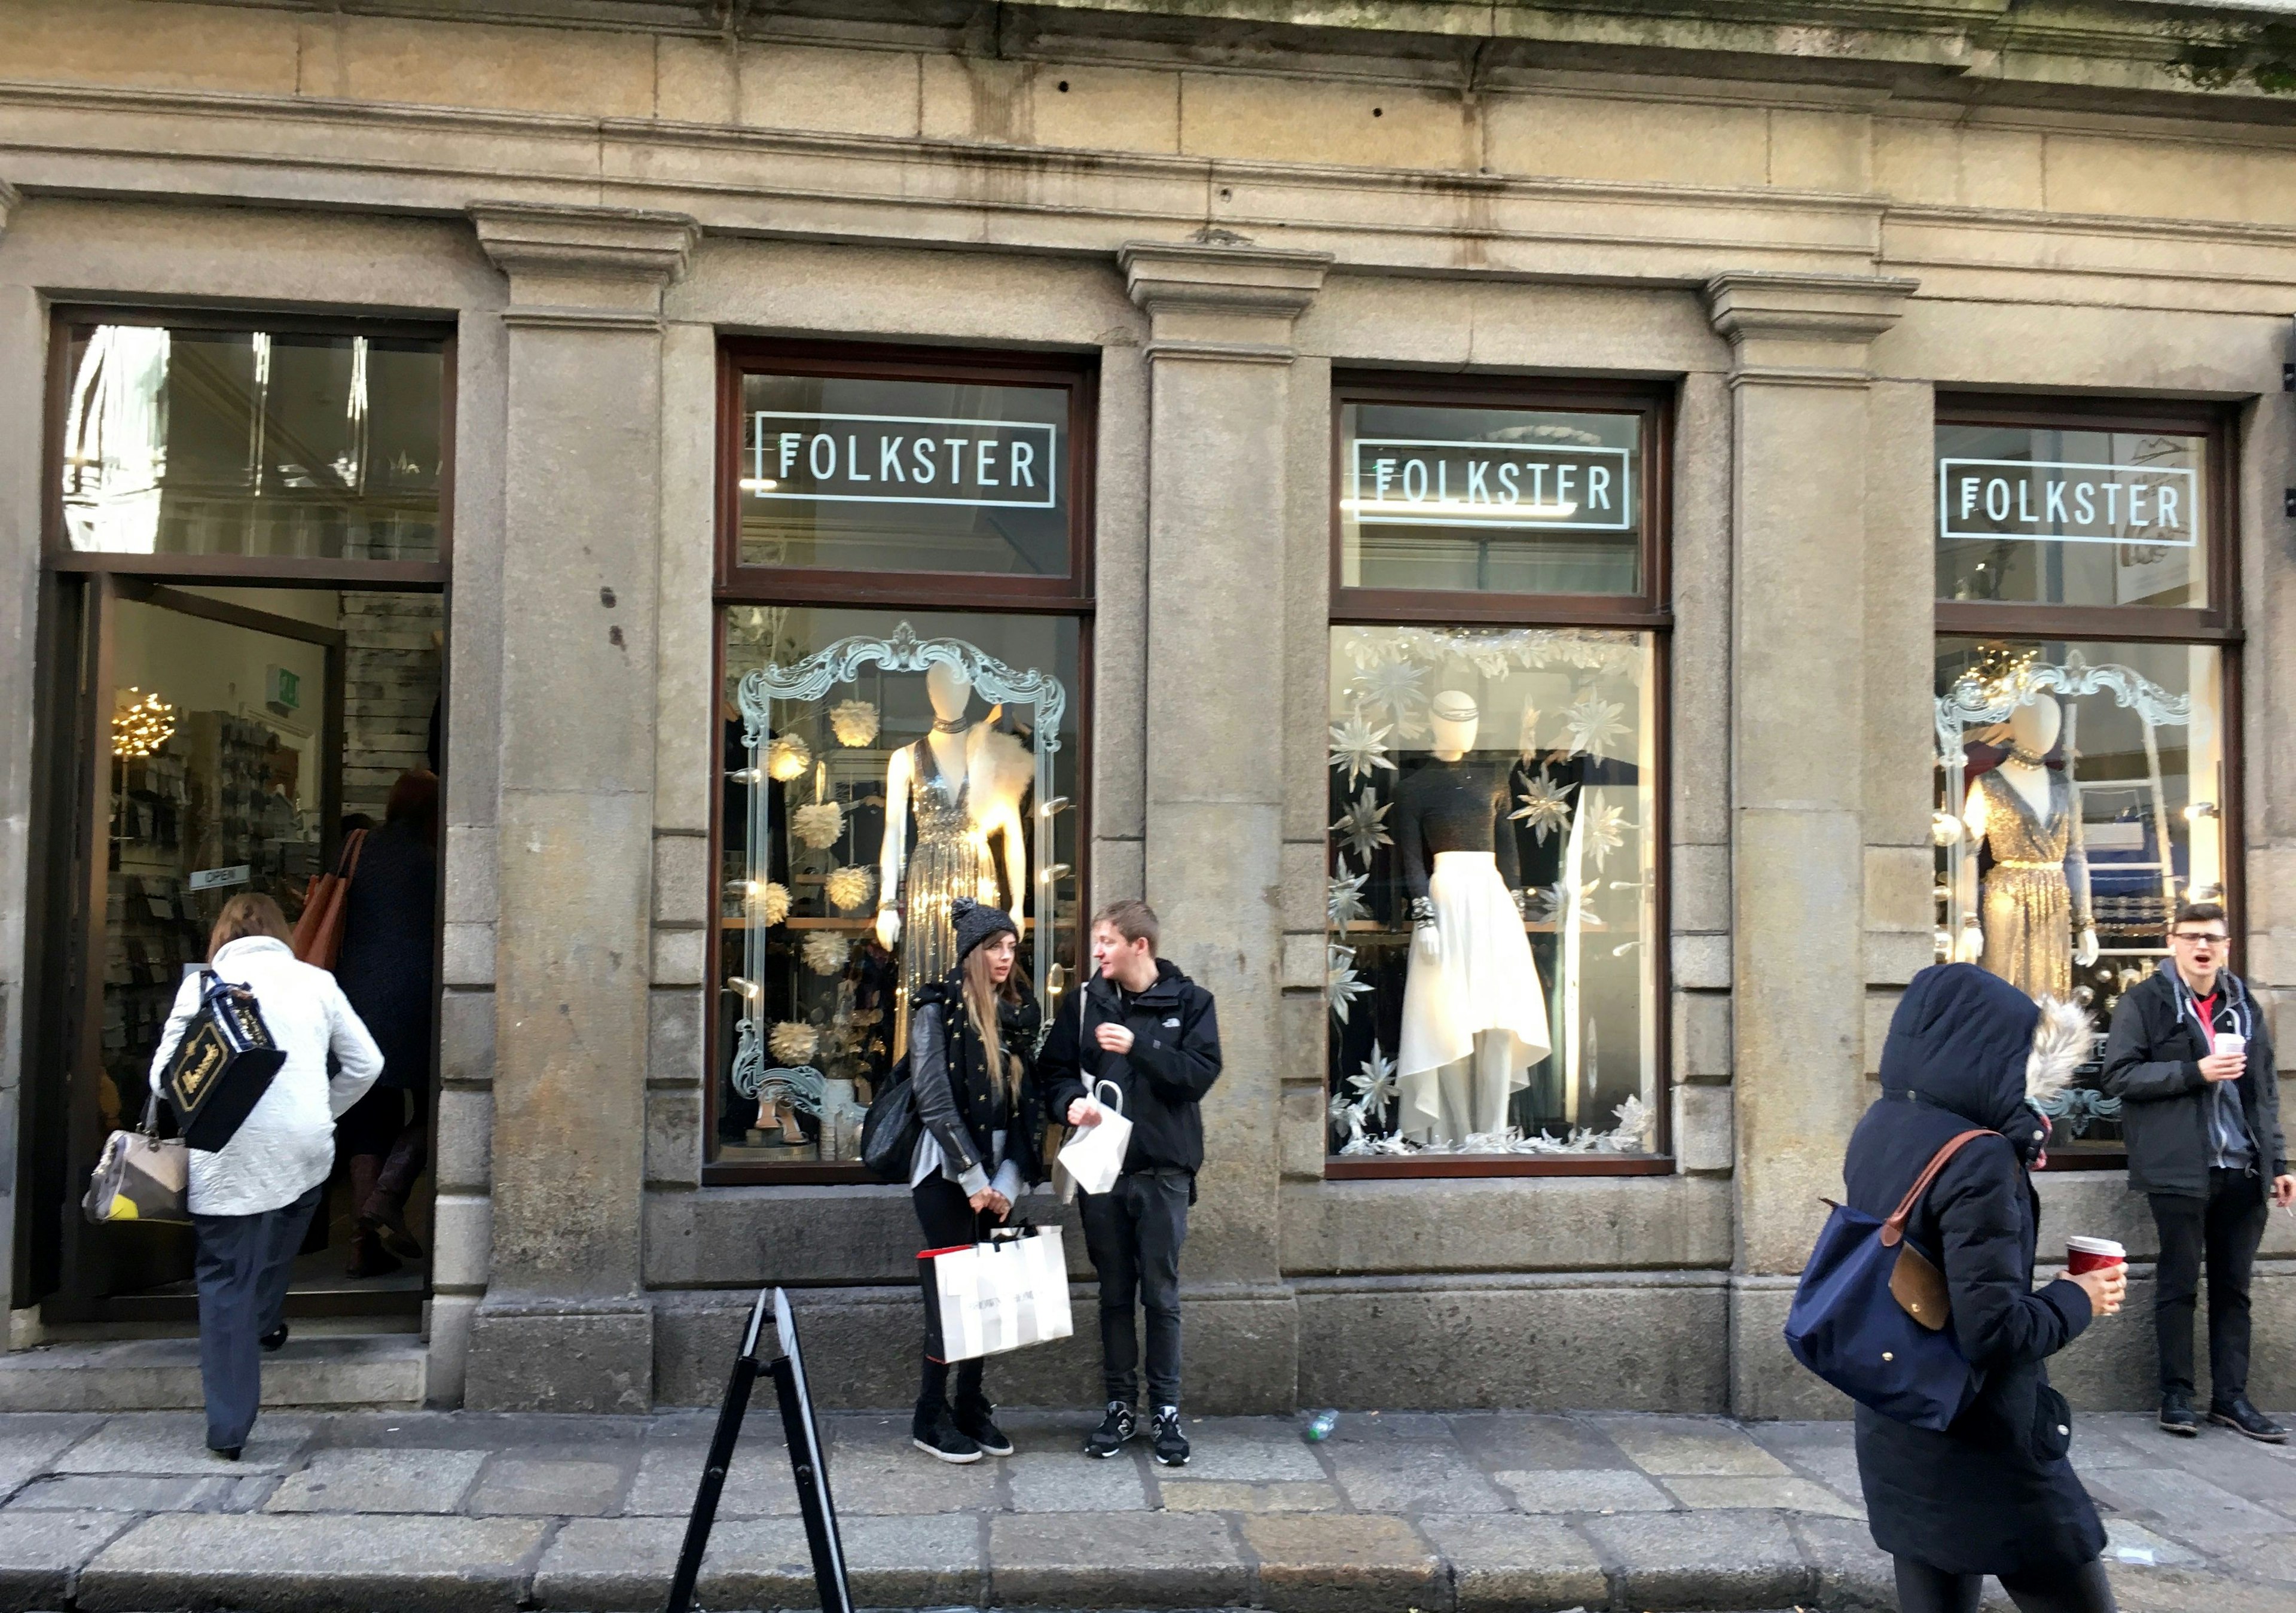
(2035, 899)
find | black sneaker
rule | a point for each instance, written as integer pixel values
(975, 1422)
(1171, 1447)
(1115, 1431)
(2177, 1416)
(942, 1438)
(2243, 1418)
(275, 1339)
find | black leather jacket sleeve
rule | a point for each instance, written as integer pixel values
(937, 1109)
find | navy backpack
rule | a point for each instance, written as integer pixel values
(1869, 1315)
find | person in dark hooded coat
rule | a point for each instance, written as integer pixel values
(1993, 1493)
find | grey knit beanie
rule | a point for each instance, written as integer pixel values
(976, 922)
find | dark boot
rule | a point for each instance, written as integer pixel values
(382, 1209)
(976, 1420)
(367, 1256)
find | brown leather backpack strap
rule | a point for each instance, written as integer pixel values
(353, 846)
(1894, 1228)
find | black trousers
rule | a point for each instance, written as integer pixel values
(1133, 1233)
(2221, 1232)
(945, 1217)
(1921, 1589)
(242, 1266)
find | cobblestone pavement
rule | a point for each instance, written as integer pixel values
(1406, 1511)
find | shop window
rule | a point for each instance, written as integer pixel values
(2087, 781)
(261, 443)
(894, 733)
(1495, 882)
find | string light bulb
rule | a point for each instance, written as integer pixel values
(141, 723)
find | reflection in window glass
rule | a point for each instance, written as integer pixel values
(2060, 515)
(1492, 898)
(2079, 803)
(1489, 501)
(863, 474)
(876, 766)
(264, 444)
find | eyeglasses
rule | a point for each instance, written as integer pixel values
(2193, 938)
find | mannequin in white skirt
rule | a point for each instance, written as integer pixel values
(1474, 1015)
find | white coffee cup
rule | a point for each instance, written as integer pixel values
(2231, 1044)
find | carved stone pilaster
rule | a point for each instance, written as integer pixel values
(1209, 300)
(1811, 330)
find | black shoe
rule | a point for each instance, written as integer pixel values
(2177, 1414)
(974, 1420)
(2238, 1415)
(1171, 1447)
(275, 1338)
(223, 1452)
(1115, 1431)
(940, 1437)
(388, 1227)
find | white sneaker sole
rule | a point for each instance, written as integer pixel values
(953, 1458)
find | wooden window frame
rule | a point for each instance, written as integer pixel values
(250, 571)
(1648, 611)
(2217, 625)
(978, 593)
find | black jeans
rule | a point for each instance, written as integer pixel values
(1133, 1233)
(949, 1221)
(1921, 1589)
(243, 1265)
(2223, 1230)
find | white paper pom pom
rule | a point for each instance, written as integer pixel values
(770, 902)
(851, 886)
(788, 757)
(792, 1042)
(825, 952)
(853, 721)
(819, 825)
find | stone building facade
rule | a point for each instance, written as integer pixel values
(1798, 246)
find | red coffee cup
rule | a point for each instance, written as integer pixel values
(2092, 1254)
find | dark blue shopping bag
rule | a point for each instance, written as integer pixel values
(1870, 1313)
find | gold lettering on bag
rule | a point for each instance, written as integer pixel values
(205, 1058)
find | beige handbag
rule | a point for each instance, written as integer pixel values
(139, 1176)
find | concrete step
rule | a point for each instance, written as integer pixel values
(341, 1372)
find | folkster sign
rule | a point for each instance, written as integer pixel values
(900, 459)
(2053, 501)
(1426, 482)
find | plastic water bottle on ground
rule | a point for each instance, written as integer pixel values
(1320, 1425)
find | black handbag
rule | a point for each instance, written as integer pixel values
(222, 1067)
(889, 1134)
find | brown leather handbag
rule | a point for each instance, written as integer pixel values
(319, 931)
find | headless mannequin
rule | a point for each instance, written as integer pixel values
(2033, 730)
(992, 763)
(1470, 1094)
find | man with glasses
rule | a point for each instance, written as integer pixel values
(2191, 1061)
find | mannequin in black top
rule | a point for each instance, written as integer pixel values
(1474, 1015)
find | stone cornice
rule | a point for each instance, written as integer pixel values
(604, 244)
(1803, 330)
(1219, 277)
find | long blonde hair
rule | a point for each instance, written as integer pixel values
(982, 996)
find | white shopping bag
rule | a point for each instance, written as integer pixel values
(1093, 1156)
(995, 1296)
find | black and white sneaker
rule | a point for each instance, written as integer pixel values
(943, 1439)
(1171, 1445)
(1115, 1431)
(976, 1423)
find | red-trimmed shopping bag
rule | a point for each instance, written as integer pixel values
(985, 1298)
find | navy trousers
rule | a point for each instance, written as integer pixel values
(243, 1268)
(1133, 1233)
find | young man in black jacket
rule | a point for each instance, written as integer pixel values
(1142, 1024)
(2191, 1061)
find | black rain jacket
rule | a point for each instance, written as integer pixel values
(1174, 1058)
(956, 1098)
(2152, 1064)
(1993, 1493)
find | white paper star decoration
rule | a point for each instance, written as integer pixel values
(1360, 748)
(1595, 724)
(1363, 827)
(1545, 806)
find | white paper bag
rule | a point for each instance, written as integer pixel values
(1000, 1296)
(1095, 1155)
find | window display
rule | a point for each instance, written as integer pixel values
(2080, 799)
(1493, 891)
(878, 766)
(278, 443)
